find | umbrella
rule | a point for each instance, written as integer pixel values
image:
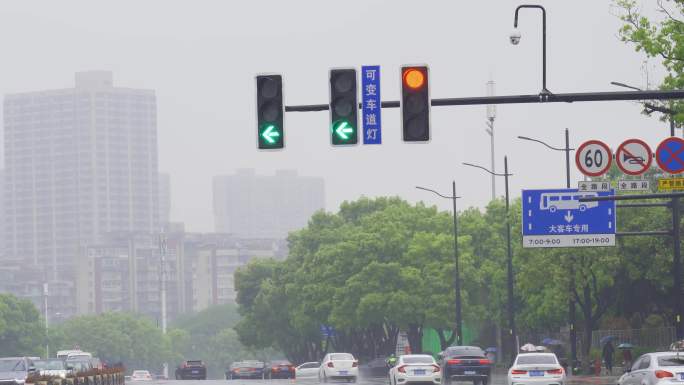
(625, 345)
(607, 339)
(551, 342)
(546, 340)
(677, 346)
(528, 348)
(490, 350)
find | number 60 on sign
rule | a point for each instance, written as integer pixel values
(593, 158)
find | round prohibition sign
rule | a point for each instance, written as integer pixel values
(670, 155)
(634, 157)
(593, 158)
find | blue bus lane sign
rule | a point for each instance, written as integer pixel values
(557, 218)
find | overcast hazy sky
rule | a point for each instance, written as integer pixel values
(201, 58)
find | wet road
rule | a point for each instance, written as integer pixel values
(496, 380)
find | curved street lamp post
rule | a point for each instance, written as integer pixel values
(457, 277)
(509, 259)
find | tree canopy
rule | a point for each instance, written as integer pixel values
(380, 266)
(22, 329)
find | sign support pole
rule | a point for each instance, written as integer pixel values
(572, 310)
(511, 307)
(677, 268)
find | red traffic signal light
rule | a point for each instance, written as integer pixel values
(414, 78)
(415, 104)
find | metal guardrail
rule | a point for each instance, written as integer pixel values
(112, 376)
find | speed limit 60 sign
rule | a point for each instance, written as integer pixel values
(593, 158)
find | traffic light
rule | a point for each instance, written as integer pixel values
(270, 132)
(343, 107)
(415, 103)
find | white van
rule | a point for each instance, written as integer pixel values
(63, 354)
(79, 356)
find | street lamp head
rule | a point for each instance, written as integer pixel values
(515, 36)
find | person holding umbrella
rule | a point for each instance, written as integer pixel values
(608, 352)
(626, 348)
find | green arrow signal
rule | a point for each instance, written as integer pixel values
(269, 134)
(343, 129)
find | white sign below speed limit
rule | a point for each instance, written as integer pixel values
(593, 158)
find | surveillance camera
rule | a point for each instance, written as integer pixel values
(515, 37)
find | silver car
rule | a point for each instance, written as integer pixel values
(14, 370)
(656, 369)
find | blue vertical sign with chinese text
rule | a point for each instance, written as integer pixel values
(370, 99)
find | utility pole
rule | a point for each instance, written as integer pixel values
(457, 279)
(491, 116)
(162, 277)
(47, 340)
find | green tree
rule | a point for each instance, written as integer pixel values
(376, 267)
(22, 329)
(118, 337)
(662, 38)
(209, 335)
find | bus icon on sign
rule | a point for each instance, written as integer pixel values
(566, 201)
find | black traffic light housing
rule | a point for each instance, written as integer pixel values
(415, 103)
(344, 107)
(270, 112)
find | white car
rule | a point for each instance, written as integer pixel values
(141, 375)
(656, 369)
(536, 369)
(51, 367)
(338, 366)
(307, 370)
(415, 368)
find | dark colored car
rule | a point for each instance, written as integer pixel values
(375, 368)
(281, 369)
(191, 370)
(246, 370)
(466, 363)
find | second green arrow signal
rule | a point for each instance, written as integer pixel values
(343, 132)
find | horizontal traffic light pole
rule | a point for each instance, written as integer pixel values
(518, 99)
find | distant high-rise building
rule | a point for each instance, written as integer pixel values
(164, 199)
(2, 214)
(79, 162)
(254, 206)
